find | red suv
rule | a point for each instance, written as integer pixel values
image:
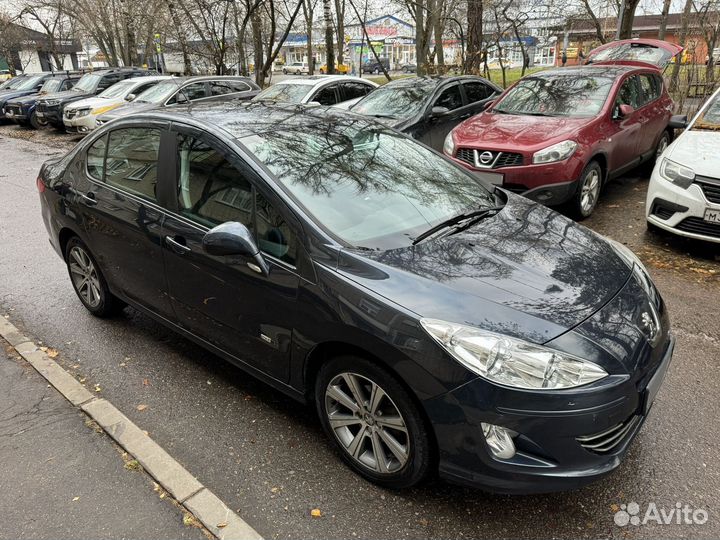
(557, 136)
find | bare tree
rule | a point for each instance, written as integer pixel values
(475, 42)
(329, 37)
(340, 30)
(308, 11)
(599, 33)
(662, 30)
(11, 38)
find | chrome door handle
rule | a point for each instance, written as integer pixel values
(88, 198)
(176, 246)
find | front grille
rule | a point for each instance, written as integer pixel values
(15, 110)
(711, 190)
(41, 107)
(698, 225)
(606, 441)
(70, 113)
(467, 155)
(498, 160)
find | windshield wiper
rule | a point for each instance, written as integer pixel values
(458, 222)
(381, 115)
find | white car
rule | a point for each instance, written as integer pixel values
(684, 191)
(80, 116)
(321, 89)
(297, 68)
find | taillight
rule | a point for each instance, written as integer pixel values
(40, 184)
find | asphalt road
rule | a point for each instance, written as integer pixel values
(266, 456)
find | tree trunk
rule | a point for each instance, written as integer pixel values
(182, 41)
(308, 13)
(474, 47)
(438, 28)
(664, 19)
(340, 18)
(255, 24)
(628, 17)
(329, 38)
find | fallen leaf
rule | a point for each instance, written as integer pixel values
(275, 489)
(97, 388)
(76, 499)
(315, 512)
(43, 349)
(146, 382)
(52, 353)
(221, 525)
(141, 407)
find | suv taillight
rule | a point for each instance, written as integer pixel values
(40, 184)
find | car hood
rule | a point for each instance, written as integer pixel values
(66, 95)
(128, 109)
(698, 150)
(496, 131)
(12, 94)
(528, 272)
(30, 98)
(92, 102)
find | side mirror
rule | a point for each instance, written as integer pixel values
(130, 97)
(233, 238)
(438, 111)
(487, 105)
(678, 121)
(626, 110)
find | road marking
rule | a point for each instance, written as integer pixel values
(214, 514)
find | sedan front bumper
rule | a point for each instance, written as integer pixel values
(575, 438)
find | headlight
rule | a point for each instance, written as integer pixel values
(511, 361)
(676, 173)
(556, 152)
(449, 145)
(83, 112)
(51, 102)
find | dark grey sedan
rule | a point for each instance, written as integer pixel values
(427, 108)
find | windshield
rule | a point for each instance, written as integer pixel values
(30, 83)
(51, 85)
(284, 93)
(709, 120)
(12, 83)
(394, 101)
(369, 186)
(88, 83)
(117, 90)
(574, 94)
(158, 93)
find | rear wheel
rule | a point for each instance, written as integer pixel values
(588, 191)
(88, 281)
(373, 421)
(662, 145)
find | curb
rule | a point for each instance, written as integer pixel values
(214, 514)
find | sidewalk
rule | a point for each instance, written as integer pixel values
(62, 479)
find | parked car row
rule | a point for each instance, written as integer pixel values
(79, 103)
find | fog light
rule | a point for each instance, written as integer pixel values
(499, 440)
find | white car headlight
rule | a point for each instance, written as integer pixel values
(510, 361)
(676, 173)
(449, 145)
(556, 152)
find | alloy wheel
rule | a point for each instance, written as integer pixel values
(590, 191)
(84, 276)
(367, 423)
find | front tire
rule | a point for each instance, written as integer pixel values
(35, 122)
(588, 191)
(88, 281)
(373, 421)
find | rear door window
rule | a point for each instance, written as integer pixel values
(353, 90)
(477, 91)
(132, 159)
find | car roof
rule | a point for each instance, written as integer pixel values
(241, 118)
(313, 80)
